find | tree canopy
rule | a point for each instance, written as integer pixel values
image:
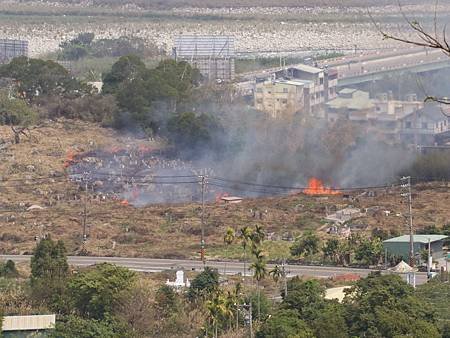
(95, 291)
(36, 77)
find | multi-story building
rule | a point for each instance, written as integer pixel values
(281, 98)
(314, 91)
(406, 121)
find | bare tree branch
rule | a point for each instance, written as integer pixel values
(425, 39)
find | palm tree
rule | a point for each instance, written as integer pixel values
(230, 301)
(228, 238)
(259, 273)
(258, 236)
(245, 235)
(217, 310)
(276, 273)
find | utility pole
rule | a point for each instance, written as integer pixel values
(429, 260)
(85, 177)
(284, 273)
(202, 240)
(251, 319)
(406, 193)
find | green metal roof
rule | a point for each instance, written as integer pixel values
(417, 239)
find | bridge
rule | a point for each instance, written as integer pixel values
(354, 69)
(356, 72)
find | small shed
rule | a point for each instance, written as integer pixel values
(22, 326)
(399, 246)
(231, 199)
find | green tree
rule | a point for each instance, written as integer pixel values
(36, 78)
(436, 293)
(76, 327)
(245, 235)
(189, 132)
(8, 269)
(306, 245)
(285, 323)
(373, 300)
(205, 283)
(166, 301)
(369, 251)
(228, 239)
(217, 310)
(147, 97)
(15, 111)
(96, 290)
(304, 296)
(124, 71)
(49, 272)
(330, 321)
(276, 273)
(258, 236)
(259, 273)
(49, 260)
(331, 249)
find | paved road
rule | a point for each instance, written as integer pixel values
(157, 265)
(356, 65)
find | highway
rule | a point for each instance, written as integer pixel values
(357, 65)
(232, 267)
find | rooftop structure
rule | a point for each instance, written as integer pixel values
(423, 239)
(10, 49)
(28, 323)
(232, 199)
(212, 55)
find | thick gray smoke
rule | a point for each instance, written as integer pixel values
(289, 153)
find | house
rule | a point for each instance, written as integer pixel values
(281, 98)
(350, 104)
(344, 215)
(423, 127)
(316, 87)
(395, 121)
(399, 246)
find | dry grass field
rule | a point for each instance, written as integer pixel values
(33, 174)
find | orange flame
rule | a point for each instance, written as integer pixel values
(70, 158)
(125, 203)
(316, 187)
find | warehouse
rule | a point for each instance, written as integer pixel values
(399, 246)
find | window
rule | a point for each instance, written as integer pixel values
(284, 101)
(321, 80)
(285, 90)
(408, 125)
(424, 125)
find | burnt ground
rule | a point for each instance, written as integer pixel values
(38, 198)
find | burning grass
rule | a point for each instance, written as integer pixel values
(165, 231)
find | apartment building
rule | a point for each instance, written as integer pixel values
(281, 98)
